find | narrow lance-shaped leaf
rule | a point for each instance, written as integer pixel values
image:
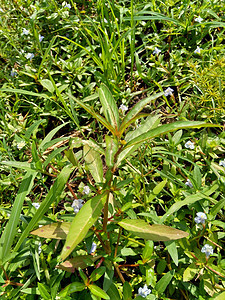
(109, 106)
(11, 227)
(94, 163)
(167, 128)
(52, 195)
(136, 109)
(111, 149)
(154, 232)
(82, 222)
(53, 231)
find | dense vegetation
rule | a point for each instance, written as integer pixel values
(112, 149)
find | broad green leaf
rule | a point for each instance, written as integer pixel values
(20, 165)
(189, 200)
(94, 163)
(113, 292)
(97, 116)
(129, 118)
(127, 291)
(190, 272)
(50, 135)
(150, 275)
(80, 261)
(10, 230)
(197, 177)
(167, 128)
(82, 222)
(46, 83)
(52, 196)
(97, 273)
(172, 249)
(162, 284)
(221, 296)
(110, 108)
(153, 232)
(71, 157)
(147, 252)
(111, 149)
(52, 155)
(43, 291)
(53, 231)
(97, 291)
(72, 288)
(157, 189)
(217, 207)
(24, 92)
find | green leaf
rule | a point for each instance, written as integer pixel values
(94, 163)
(167, 128)
(197, 177)
(221, 296)
(190, 272)
(50, 135)
(113, 292)
(97, 273)
(157, 189)
(46, 83)
(80, 261)
(82, 222)
(127, 291)
(162, 284)
(147, 252)
(20, 165)
(32, 128)
(110, 108)
(111, 149)
(172, 249)
(43, 291)
(94, 114)
(97, 291)
(189, 200)
(10, 230)
(52, 195)
(152, 232)
(72, 288)
(53, 231)
(217, 207)
(136, 109)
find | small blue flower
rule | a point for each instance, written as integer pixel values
(66, 5)
(40, 37)
(93, 248)
(188, 183)
(201, 217)
(222, 163)
(198, 50)
(25, 31)
(168, 92)
(189, 145)
(36, 205)
(29, 56)
(77, 204)
(198, 19)
(156, 51)
(207, 249)
(13, 73)
(144, 292)
(86, 190)
(123, 107)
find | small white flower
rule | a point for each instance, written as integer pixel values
(198, 19)
(156, 51)
(25, 31)
(189, 145)
(86, 190)
(197, 50)
(201, 217)
(168, 92)
(20, 145)
(105, 21)
(93, 248)
(40, 37)
(222, 163)
(123, 107)
(207, 249)
(77, 204)
(29, 56)
(13, 73)
(66, 5)
(188, 183)
(144, 292)
(36, 205)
